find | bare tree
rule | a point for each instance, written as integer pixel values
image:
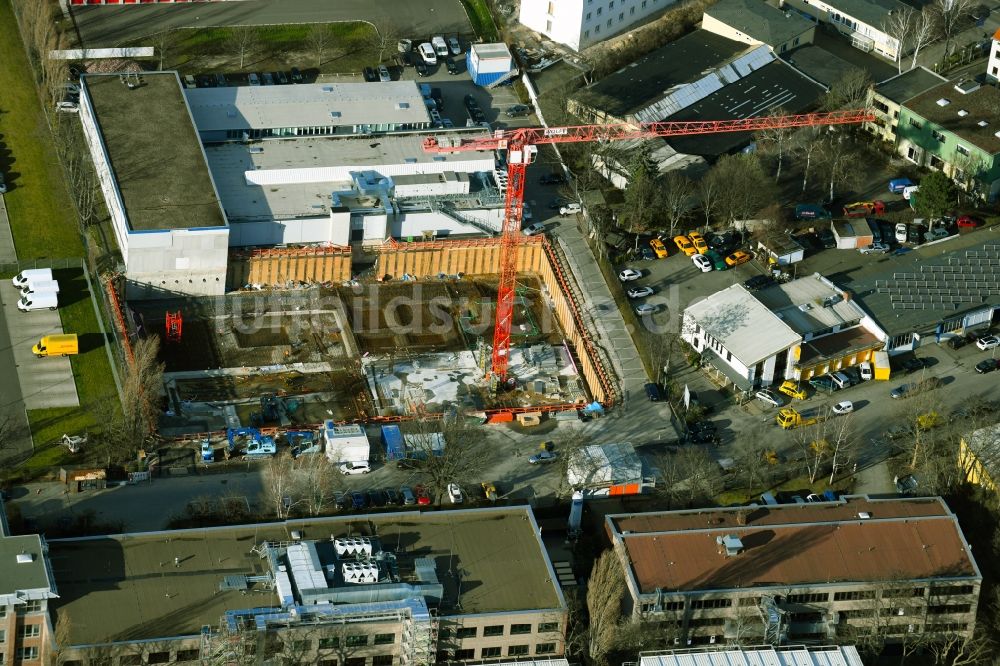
(461, 458)
(382, 38)
(318, 40)
(164, 42)
(689, 475)
(708, 198)
(959, 648)
(850, 91)
(807, 144)
(605, 592)
(949, 16)
(243, 40)
(839, 159)
(922, 33)
(314, 481)
(677, 195)
(133, 426)
(899, 25)
(742, 188)
(753, 460)
(775, 141)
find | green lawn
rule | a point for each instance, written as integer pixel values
(41, 214)
(202, 50)
(482, 20)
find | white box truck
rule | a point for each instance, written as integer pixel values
(345, 443)
(36, 286)
(26, 276)
(38, 301)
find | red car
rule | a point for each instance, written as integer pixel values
(423, 497)
(968, 222)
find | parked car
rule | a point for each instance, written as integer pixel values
(408, 463)
(874, 248)
(352, 468)
(988, 342)
(698, 241)
(570, 209)
(451, 66)
(703, 263)
(639, 292)
(629, 274)
(533, 229)
(281, 78)
(718, 261)
(647, 254)
(383, 74)
(823, 382)
(791, 388)
(341, 500)
(843, 407)
(423, 496)
(769, 397)
(956, 342)
(409, 499)
(421, 69)
(914, 364)
(552, 179)
(938, 233)
(900, 232)
(968, 222)
(455, 493)
(987, 365)
(543, 457)
(358, 500)
(685, 245)
(737, 258)
(901, 391)
(454, 46)
(376, 498)
(652, 392)
(517, 111)
(67, 107)
(393, 497)
(267, 79)
(369, 74)
(658, 248)
(253, 79)
(897, 185)
(427, 54)
(296, 75)
(827, 238)
(758, 282)
(646, 309)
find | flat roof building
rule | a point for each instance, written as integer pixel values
(796, 330)
(816, 571)
(411, 588)
(165, 211)
(757, 22)
(767, 655)
(27, 587)
(314, 109)
(886, 98)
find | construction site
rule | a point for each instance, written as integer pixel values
(414, 341)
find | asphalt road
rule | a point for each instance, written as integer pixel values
(12, 401)
(104, 26)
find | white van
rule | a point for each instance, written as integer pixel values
(866, 371)
(40, 285)
(841, 380)
(440, 46)
(24, 277)
(39, 301)
(427, 54)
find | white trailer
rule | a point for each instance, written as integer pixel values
(345, 443)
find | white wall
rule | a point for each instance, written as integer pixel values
(333, 228)
(339, 174)
(993, 66)
(178, 260)
(577, 24)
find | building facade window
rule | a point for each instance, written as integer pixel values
(962, 150)
(382, 660)
(465, 654)
(813, 598)
(516, 629)
(191, 655)
(385, 639)
(546, 627)
(488, 652)
(937, 136)
(30, 631)
(854, 595)
(493, 630)
(329, 643)
(358, 640)
(916, 124)
(466, 632)
(517, 650)
(31, 654)
(956, 589)
(946, 610)
(711, 603)
(545, 648)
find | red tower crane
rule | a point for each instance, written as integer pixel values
(521, 146)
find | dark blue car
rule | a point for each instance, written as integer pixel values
(358, 500)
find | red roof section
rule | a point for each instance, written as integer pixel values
(903, 539)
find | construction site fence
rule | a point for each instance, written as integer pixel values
(280, 267)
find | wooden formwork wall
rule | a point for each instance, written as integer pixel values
(564, 313)
(484, 260)
(439, 258)
(279, 269)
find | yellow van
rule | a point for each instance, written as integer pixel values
(57, 345)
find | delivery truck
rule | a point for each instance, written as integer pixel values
(64, 344)
(41, 301)
(789, 417)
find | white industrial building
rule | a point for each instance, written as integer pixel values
(797, 330)
(761, 655)
(581, 23)
(165, 211)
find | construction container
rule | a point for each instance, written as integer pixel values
(490, 64)
(880, 360)
(392, 439)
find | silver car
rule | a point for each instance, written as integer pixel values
(769, 397)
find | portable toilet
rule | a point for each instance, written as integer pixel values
(490, 64)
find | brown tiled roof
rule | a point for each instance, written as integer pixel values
(838, 344)
(796, 545)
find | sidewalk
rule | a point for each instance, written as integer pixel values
(8, 255)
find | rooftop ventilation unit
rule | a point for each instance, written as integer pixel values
(830, 301)
(25, 558)
(967, 86)
(982, 123)
(256, 150)
(335, 114)
(943, 102)
(731, 543)
(402, 105)
(996, 134)
(353, 546)
(328, 89)
(360, 573)
(962, 113)
(806, 307)
(864, 515)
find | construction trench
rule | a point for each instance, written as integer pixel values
(413, 341)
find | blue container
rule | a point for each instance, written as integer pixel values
(392, 438)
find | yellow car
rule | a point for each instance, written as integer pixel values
(792, 390)
(737, 258)
(699, 242)
(683, 244)
(659, 248)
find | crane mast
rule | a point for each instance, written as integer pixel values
(521, 145)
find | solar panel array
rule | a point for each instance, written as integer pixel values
(963, 281)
